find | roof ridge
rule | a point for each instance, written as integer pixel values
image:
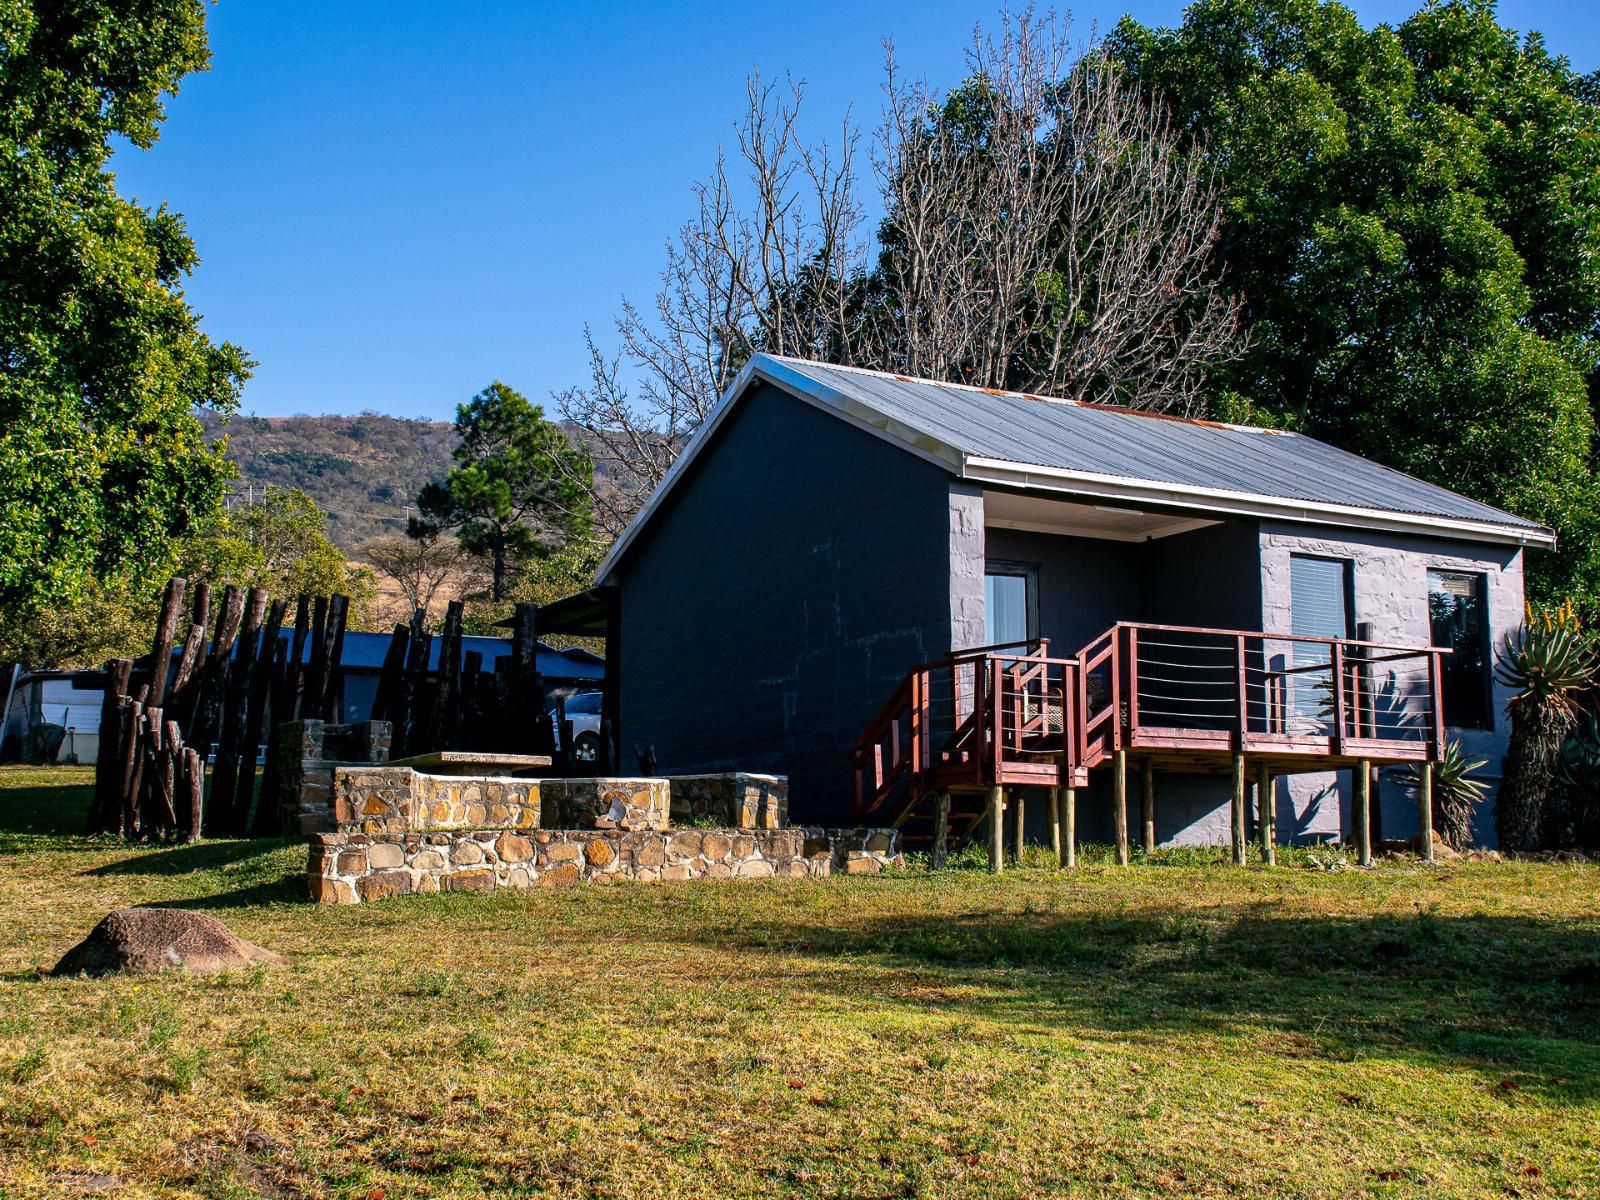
(1093, 405)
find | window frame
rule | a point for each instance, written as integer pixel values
(1029, 574)
(1480, 588)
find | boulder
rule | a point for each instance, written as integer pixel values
(155, 939)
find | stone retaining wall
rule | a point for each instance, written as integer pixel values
(734, 798)
(352, 867)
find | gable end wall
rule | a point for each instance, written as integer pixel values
(779, 596)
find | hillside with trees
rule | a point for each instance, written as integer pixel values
(363, 470)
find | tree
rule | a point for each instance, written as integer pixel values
(1046, 230)
(278, 542)
(1412, 217)
(420, 566)
(102, 363)
(519, 487)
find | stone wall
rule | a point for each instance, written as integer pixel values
(352, 867)
(735, 799)
(306, 754)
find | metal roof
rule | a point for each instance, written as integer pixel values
(1040, 444)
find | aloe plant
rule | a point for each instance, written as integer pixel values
(1547, 665)
(1456, 795)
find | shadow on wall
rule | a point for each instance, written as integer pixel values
(1508, 997)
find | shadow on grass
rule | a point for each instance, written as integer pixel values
(188, 858)
(1517, 999)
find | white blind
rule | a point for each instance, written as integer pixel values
(1317, 597)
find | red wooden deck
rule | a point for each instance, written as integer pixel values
(1185, 698)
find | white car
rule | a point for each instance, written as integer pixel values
(583, 714)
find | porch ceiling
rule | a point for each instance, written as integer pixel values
(1039, 514)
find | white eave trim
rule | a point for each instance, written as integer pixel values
(1244, 504)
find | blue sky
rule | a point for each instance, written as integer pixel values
(397, 202)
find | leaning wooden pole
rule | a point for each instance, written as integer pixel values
(1054, 804)
(1425, 809)
(105, 811)
(1019, 827)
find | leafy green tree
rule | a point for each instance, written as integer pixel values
(102, 364)
(280, 543)
(1412, 218)
(519, 488)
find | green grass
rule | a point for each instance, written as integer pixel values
(1179, 1028)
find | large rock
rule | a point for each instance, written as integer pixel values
(155, 939)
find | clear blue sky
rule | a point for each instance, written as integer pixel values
(397, 202)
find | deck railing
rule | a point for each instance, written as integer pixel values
(1008, 715)
(1264, 692)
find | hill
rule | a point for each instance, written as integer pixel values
(364, 470)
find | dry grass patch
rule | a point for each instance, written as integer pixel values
(1170, 1030)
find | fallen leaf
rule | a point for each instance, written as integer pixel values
(797, 1084)
(1532, 1170)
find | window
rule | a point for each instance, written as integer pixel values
(1319, 601)
(1458, 619)
(584, 702)
(1010, 604)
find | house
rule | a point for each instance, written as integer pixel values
(887, 587)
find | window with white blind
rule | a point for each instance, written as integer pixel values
(1458, 618)
(1319, 600)
(1010, 604)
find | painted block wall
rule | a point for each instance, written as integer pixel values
(1390, 575)
(774, 604)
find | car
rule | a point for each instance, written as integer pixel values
(583, 714)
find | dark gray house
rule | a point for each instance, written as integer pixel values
(884, 587)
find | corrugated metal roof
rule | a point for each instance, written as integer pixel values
(1098, 451)
(1059, 434)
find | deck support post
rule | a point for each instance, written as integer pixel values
(1266, 818)
(1119, 803)
(997, 850)
(1238, 810)
(1019, 826)
(1054, 806)
(1069, 827)
(1148, 807)
(941, 829)
(1362, 778)
(1425, 808)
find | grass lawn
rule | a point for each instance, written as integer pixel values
(1172, 1029)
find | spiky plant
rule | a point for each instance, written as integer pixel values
(1547, 665)
(1456, 795)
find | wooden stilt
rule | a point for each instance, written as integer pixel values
(1069, 827)
(1054, 805)
(1119, 803)
(941, 829)
(1363, 810)
(1238, 810)
(1147, 807)
(1265, 815)
(1019, 835)
(1425, 809)
(997, 850)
